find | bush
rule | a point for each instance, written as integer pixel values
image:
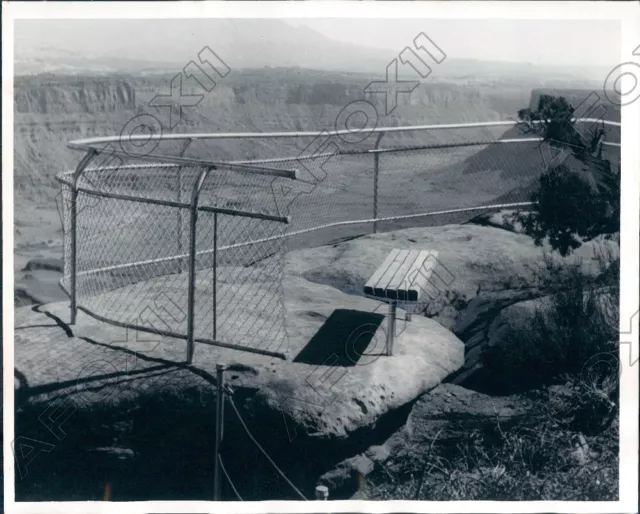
(536, 459)
(570, 206)
(566, 446)
(569, 211)
(552, 120)
(572, 334)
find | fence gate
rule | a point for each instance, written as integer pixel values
(239, 258)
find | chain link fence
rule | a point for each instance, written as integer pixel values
(194, 248)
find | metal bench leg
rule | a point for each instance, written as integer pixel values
(391, 328)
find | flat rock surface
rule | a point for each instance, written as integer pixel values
(37, 272)
(336, 379)
(39, 286)
(332, 385)
(471, 259)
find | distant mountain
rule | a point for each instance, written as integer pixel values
(136, 47)
(143, 45)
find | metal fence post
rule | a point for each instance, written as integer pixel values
(192, 262)
(74, 233)
(376, 164)
(179, 227)
(219, 428)
(215, 275)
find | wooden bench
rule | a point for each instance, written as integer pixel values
(403, 277)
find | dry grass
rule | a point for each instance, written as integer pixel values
(574, 333)
(566, 448)
(537, 460)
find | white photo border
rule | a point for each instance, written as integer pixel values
(628, 13)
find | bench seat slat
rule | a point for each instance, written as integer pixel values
(404, 275)
(396, 289)
(419, 277)
(381, 288)
(377, 275)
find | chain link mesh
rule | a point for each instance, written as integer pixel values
(133, 221)
(128, 252)
(239, 286)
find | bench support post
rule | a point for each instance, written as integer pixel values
(391, 328)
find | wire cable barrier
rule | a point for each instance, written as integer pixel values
(233, 487)
(262, 450)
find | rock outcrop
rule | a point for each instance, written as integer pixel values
(443, 417)
(57, 359)
(472, 260)
(337, 397)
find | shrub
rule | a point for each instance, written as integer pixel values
(568, 210)
(552, 119)
(570, 206)
(573, 333)
(534, 460)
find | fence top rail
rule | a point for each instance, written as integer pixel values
(250, 164)
(89, 143)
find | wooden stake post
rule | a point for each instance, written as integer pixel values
(322, 492)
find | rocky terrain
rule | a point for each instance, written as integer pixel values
(52, 110)
(101, 374)
(134, 407)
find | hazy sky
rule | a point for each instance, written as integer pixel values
(576, 42)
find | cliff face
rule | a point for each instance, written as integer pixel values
(50, 111)
(83, 96)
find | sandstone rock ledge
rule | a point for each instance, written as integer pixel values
(336, 398)
(99, 366)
